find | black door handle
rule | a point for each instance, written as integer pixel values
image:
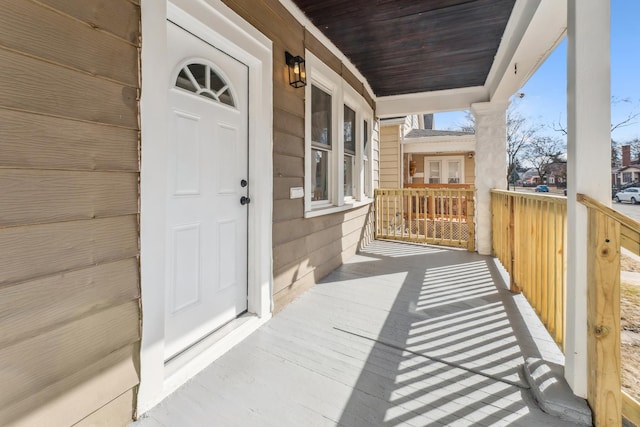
(245, 200)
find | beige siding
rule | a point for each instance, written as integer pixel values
(69, 273)
(390, 156)
(304, 250)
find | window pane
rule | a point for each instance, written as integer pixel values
(199, 71)
(348, 175)
(349, 130)
(454, 172)
(434, 172)
(365, 138)
(365, 157)
(367, 178)
(320, 117)
(319, 175)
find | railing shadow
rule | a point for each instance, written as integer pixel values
(451, 348)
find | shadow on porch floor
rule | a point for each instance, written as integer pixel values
(399, 335)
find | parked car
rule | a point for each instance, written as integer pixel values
(542, 189)
(631, 194)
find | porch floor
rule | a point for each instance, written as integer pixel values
(399, 335)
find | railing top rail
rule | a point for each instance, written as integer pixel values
(550, 198)
(622, 219)
(425, 190)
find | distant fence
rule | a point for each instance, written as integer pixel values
(441, 216)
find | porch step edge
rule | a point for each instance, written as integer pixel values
(552, 392)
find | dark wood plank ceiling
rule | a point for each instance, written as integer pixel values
(409, 46)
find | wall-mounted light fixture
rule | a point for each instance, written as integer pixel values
(470, 155)
(297, 73)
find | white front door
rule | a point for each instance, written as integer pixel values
(207, 158)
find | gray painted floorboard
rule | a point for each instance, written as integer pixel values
(400, 335)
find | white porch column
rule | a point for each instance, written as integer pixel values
(491, 164)
(588, 165)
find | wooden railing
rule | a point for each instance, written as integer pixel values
(436, 216)
(608, 231)
(529, 238)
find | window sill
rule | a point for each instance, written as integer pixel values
(334, 209)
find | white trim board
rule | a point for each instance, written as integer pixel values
(212, 21)
(439, 144)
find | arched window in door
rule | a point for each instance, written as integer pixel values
(203, 80)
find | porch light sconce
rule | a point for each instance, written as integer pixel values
(470, 155)
(297, 73)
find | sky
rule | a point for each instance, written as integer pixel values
(545, 99)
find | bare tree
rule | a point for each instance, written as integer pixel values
(616, 155)
(630, 119)
(635, 148)
(543, 151)
(520, 132)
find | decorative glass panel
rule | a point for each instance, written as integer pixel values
(320, 117)
(204, 81)
(349, 130)
(319, 175)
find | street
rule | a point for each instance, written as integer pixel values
(632, 211)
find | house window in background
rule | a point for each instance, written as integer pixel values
(349, 127)
(454, 172)
(626, 177)
(444, 170)
(434, 171)
(320, 143)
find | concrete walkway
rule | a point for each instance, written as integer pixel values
(400, 335)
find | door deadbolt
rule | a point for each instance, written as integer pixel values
(243, 183)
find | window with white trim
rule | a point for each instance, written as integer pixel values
(444, 170)
(368, 182)
(337, 133)
(321, 143)
(349, 152)
(203, 80)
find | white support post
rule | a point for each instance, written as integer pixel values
(491, 164)
(588, 164)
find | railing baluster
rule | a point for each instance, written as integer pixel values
(426, 215)
(532, 249)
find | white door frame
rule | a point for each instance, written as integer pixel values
(239, 39)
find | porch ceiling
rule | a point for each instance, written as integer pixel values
(408, 46)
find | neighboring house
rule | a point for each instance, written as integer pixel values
(438, 157)
(411, 155)
(166, 190)
(530, 178)
(556, 174)
(628, 172)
